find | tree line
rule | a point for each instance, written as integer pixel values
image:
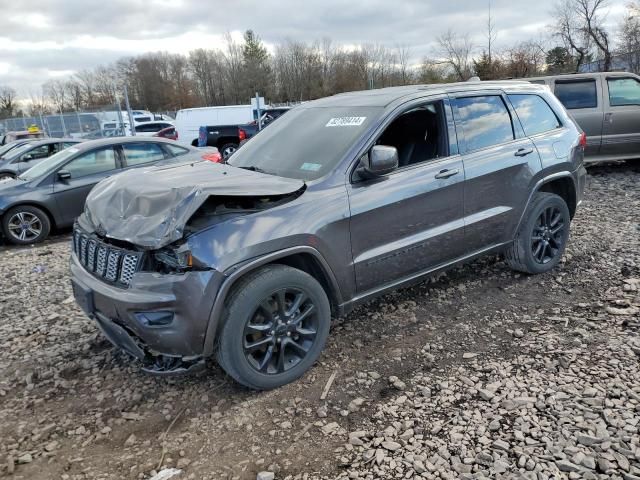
(297, 71)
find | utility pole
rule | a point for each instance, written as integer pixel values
(64, 127)
(491, 37)
(119, 110)
(126, 102)
(259, 112)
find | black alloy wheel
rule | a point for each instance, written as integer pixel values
(548, 236)
(281, 331)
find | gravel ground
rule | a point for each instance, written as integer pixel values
(480, 373)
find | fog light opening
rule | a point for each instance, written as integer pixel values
(155, 319)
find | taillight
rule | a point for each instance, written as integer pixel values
(176, 134)
(214, 157)
(242, 135)
(583, 140)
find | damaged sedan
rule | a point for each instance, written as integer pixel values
(248, 261)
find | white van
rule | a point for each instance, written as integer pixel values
(189, 120)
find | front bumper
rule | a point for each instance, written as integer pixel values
(178, 305)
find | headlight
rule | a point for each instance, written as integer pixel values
(169, 260)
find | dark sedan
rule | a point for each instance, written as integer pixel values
(52, 193)
(26, 156)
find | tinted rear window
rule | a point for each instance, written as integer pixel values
(485, 121)
(577, 94)
(534, 113)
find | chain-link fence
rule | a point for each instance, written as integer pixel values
(104, 122)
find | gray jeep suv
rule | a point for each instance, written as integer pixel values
(342, 199)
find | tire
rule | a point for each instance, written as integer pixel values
(4, 176)
(228, 149)
(15, 225)
(194, 143)
(251, 319)
(542, 237)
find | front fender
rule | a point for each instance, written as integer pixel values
(234, 273)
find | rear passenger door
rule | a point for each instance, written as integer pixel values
(582, 97)
(499, 163)
(540, 124)
(621, 129)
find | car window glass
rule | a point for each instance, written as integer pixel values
(577, 94)
(93, 162)
(485, 121)
(68, 144)
(176, 151)
(139, 153)
(534, 113)
(623, 91)
(418, 135)
(39, 152)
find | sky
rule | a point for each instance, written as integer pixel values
(45, 39)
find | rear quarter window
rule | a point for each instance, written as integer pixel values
(577, 94)
(535, 114)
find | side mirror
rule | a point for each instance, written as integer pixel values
(381, 160)
(64, 174)
(26, 157)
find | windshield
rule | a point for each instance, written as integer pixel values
(9, 146)
(306, 143)
(49, 164)
(16, 152)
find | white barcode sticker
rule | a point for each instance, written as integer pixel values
(346, 122)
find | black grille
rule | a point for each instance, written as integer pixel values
(114, 265)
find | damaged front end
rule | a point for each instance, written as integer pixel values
(134, 268)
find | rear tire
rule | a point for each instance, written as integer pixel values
(276, 323)
(228, 149)
(26, 225)
(542, 237)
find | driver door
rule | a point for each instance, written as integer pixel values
(84, 171)
(411, 220)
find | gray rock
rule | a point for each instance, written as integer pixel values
(266, 476)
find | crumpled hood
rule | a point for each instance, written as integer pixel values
(150, 207)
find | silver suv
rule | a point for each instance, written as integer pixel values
(341, 200)
(606, 106)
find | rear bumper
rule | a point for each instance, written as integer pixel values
(158, 314)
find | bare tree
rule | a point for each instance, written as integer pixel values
(569, 31)
(580, 26)
(630, 37)
(456, 51)
(592, 16)
(7, 101)
(403, 53)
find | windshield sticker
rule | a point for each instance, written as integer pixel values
(311, 167)
(346, 122)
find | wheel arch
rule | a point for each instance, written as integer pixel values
(304, 258)
(560, 183)
(222, 141)
(42, 207)
(563, 187)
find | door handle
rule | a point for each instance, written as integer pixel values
(523, 152)
(446, 173)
